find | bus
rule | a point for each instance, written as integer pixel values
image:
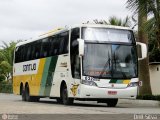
(84, 62)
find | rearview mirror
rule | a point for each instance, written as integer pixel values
(142, 50)
(81, 46)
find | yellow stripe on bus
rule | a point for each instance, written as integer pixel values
(38, 78)
(126, 81)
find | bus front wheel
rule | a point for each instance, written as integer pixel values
(66, 100)
(112, 102)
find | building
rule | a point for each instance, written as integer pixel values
(154, 69)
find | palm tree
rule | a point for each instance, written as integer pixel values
(153, 24)
(113, 20)
(141, 8)
(6, 59)
(119, 22)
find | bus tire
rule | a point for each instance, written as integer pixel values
(27, 93)
(23, 95)
(65, 99)
(22, 92)
(59, 100)
(112, 102)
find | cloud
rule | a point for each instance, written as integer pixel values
(20, 19)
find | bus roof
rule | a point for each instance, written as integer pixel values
(59, 30)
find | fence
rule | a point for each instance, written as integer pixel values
(6, 88)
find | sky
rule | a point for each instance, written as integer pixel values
(25, 19)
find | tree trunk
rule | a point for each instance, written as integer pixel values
(143, 64)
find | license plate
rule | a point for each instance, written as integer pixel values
(112, 92)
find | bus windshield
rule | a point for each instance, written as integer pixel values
(109, 60)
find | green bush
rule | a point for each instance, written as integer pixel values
(6, 88)
(2, 78)
(154, 56)
(149, 97)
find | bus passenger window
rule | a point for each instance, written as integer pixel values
(55, 46)
(37, 49)
(28, 53)
(64, 42)
(45, 48)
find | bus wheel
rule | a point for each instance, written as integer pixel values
(112, 102)
(65, 99)
(28, 97)
(23, 95)
(59, 100)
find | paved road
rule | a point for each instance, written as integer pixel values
(12, 105)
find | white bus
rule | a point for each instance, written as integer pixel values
(84, 62)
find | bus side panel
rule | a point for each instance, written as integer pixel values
(62, 73)
(28, 75)
(47, 76)
(16, 85)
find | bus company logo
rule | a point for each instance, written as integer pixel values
(29, 67)
(4, 116)
(112, 85)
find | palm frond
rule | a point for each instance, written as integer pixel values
(138, 6)
(149, 26)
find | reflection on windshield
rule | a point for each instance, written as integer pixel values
(110, 61)
(108, 35)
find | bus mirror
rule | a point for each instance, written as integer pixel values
(142, 50)
(81, 47)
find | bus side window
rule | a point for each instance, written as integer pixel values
(28, 52)
(59, 44)
(33, 50)
(51, 52)
(75, 61)
(64, 37)
(55, 45)
(17, 54)
(37, 51)
(45, 48)
(23, 53)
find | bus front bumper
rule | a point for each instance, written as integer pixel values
(87, 91)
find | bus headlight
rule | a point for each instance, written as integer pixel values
(133, 84)
(91, 83)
